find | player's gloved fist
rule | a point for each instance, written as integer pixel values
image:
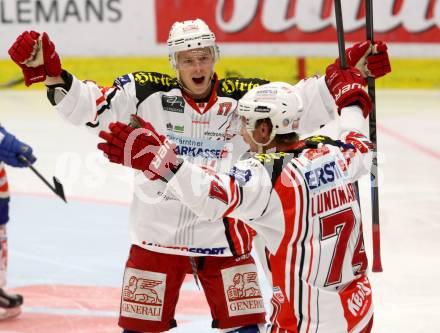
(346, 87)
(378, 63)
(371, 60)
(35, 54)
(13, 151)
(140, 148)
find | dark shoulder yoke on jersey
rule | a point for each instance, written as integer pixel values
(148, 83)
(274, 163)
(236, 87)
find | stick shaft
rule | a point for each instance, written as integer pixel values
(340, 32)
(41, 177)
(57, 189)
(374, 174)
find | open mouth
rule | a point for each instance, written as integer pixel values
(198, 80)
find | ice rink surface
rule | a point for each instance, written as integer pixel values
(67, 259)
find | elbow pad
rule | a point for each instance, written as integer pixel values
(56, 92)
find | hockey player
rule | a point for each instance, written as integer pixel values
(193, 110)
(10, 149)
(299, 198)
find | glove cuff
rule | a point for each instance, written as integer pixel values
(33, 75)
(361, 98)
(173, 170)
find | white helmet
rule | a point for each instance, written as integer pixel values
(278, 101)
(189, 35)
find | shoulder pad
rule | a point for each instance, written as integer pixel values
(274, 163)
(148, 83)
(267, 158)
(315, 141)
(236, 87)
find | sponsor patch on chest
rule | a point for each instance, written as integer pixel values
(196, 147)
(173, 103)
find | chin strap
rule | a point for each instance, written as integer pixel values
(259, 144)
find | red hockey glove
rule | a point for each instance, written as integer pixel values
(378, 63)
(345, 85)
(140, 148)
(36, 56)
(370, 60)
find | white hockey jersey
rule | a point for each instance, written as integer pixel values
(158, 221)
(303, 204)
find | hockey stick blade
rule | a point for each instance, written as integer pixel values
(57, 189)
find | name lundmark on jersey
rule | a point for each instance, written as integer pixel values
(331, 199)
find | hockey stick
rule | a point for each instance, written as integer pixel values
(340, 32)
(11, 83)
(343, 60)
(377, 262)
(57, 189)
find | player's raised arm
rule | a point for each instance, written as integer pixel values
(35, 54)
(79, 102)
(354, 106)
(318, 102)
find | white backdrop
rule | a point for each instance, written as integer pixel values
(245, 27)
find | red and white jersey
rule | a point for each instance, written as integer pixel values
(303, 204)
(158, 221)
(4, 196)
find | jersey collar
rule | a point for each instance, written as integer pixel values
(212, 98)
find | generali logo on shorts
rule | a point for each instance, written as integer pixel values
(143, 294)
(401, 21)
(243, 295)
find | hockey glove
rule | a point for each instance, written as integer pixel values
(345, 85)
(140, 148)
(36, 56)
(371, 60)
(378, 64)
(11, 149)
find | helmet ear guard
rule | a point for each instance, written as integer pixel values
(189, 35)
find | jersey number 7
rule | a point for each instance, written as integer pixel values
(341, 225)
